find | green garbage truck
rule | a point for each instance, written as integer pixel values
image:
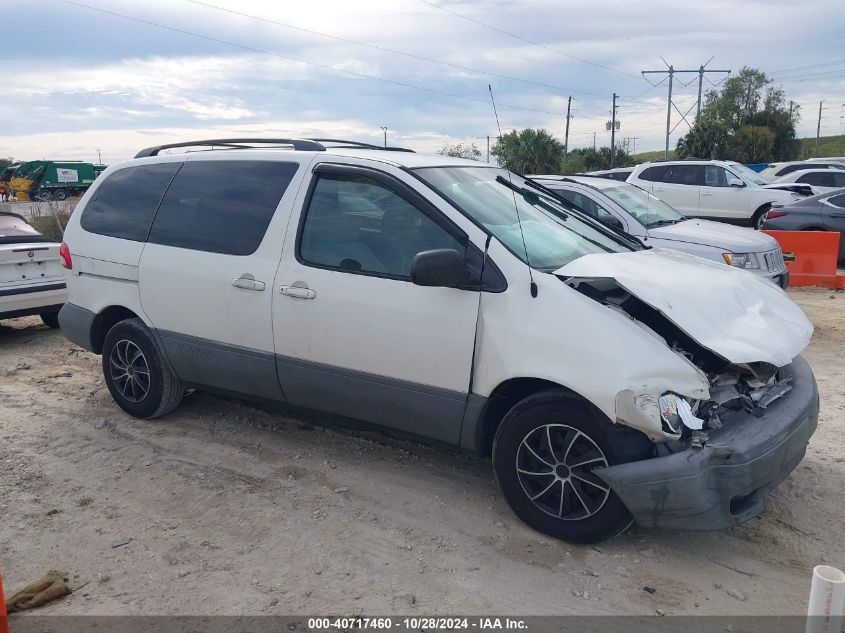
(52, 180)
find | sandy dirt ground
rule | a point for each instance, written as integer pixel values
(231, 508)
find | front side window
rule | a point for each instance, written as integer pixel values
(649, 210)
(653, 174)
(537, 228)
(357, 224)
(124, 204)
(586, 204)
(837, 201)
(221, 206)
(715, 176)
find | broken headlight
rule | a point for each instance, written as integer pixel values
(676, 413)
(741, 260)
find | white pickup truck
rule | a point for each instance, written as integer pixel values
(31, 276)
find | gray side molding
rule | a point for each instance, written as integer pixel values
(76, 324)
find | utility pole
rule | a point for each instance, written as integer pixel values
(384, 129)
(594, 140)
(613, 130)
(566, 134)
(99, 157)
(671, 72)
(819, 128)
(488, 149)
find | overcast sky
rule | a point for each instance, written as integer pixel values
(77, 78)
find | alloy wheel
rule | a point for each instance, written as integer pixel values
(554, 464)
(130, 371)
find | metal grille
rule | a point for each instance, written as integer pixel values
(774, 260)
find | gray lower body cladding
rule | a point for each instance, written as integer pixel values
(727, 481)
(76, 324)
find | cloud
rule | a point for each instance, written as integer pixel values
(97, 80)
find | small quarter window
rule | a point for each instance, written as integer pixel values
(124, 204)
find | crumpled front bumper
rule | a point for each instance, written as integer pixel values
(727, 481)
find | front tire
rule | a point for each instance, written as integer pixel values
(543, 455)
(137, 375)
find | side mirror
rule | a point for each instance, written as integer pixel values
(442, 267)
(736, 182)
(612, 220)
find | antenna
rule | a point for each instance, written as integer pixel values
(515, 205)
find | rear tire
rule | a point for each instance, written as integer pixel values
(50, 319)
(543, 456)
(60, 194)
(45, 195)
(137, 374)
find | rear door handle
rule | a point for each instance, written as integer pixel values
(248, 282)
(298, 292)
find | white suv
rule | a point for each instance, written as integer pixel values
(721, 190)
(455, 301)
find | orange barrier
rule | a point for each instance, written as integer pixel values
(810, 257)
(4, 618)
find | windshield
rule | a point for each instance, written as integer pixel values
(554, 235)
(647, 209)
(748, 174)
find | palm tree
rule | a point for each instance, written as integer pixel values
(529, 152)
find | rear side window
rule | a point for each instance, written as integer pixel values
(684, 175)
(221, 206)
(838, 201)
(124, 204)
(820, 180)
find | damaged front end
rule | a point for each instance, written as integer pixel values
(746, 386)
(719, 452)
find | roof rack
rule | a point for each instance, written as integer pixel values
(300, 144)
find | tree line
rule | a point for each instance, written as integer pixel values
(749, 120)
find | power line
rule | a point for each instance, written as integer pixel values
(526, 40)
(299, 60)
(787, 70)
(390, 50)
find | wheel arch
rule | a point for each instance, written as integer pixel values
(106, 320)
(503, 398)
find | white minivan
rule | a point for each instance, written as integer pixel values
(454, 301)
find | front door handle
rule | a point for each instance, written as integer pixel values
(248, 282)
(298, 291)
(706, 193)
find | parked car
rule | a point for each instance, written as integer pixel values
(455, 301)
(31, 277)
(778, 170)
(721, 190)
(618, 173)
(830, 159)
(819, 180)
(823, 212)
(657, 224)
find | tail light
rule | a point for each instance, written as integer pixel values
(771, 214)
(64, 254)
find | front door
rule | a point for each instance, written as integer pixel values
(353, 335)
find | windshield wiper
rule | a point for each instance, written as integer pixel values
(665, 222)
(531, 197)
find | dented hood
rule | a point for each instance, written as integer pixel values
(733, 313)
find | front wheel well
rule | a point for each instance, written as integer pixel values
(104, 322)
(503, 399)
